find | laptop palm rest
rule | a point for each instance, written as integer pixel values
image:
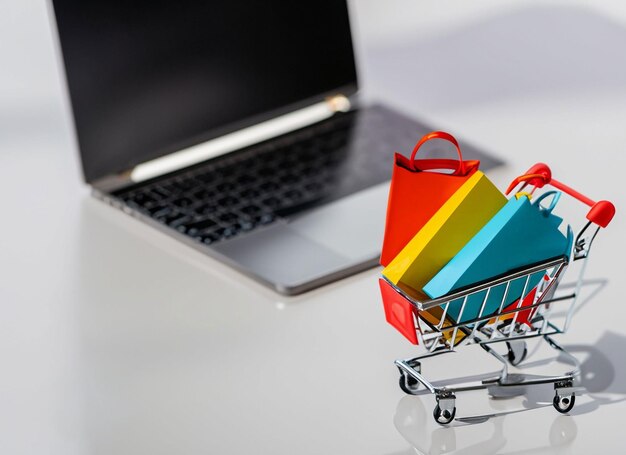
(316, 246)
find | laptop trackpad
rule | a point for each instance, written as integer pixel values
(352, 227)
(309, 246)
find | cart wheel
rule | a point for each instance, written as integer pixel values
(564, 404)
(443, 417)
(517, 352)
(408, 384)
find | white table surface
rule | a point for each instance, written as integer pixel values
(115, 339)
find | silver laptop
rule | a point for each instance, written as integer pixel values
(236, 129)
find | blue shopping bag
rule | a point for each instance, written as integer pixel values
(520, 234)
(499, 297)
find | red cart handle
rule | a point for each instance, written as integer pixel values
(601, 212)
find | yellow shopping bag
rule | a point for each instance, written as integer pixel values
(452, 226)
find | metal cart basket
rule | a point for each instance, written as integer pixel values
(530, 316)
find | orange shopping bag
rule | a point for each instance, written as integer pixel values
(417, 191)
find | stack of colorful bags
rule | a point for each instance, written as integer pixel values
(449, 228)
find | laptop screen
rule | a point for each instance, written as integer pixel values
(147, 78)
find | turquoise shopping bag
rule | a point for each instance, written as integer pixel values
(494, 301)
(522, 233)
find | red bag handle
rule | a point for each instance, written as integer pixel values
(601, 212)
(459, 166)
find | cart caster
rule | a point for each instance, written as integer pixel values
(564, 397)
(408, 383)
(445, 410)
(564, 404)
(517, 352)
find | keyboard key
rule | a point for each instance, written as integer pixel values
(159, 210)
(170, 217)
(313, 187)
(310, 171)
(185, 184)
(293, 194)
(227, 201)
(266, 218)
(225, 233)
(246, 179)
(225, 186)
(250, 193)
(250, 209)
(183, 202)
(200, 225)
(207, 177)
(266, 171)
(271, 202)
(141, 199)
(170, 188)
(206, 209)
(203, 194)
(268, 186)
(225, 171)
(246, 225)
(228, 217)
(159, 193)
(181, 218)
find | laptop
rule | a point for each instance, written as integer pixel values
(236, 129)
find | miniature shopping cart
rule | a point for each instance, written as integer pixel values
(532, 315)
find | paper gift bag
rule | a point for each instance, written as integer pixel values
(499, 298)
(398, 311)
(517, 308)
(525, 316)
(447, 231)
(433, 316)
(520, 234)
(418, 189)
(401, 313)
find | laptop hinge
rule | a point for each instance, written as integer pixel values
(228, 143)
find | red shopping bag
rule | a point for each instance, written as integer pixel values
(523, 316)
(418, 189)
(401, 314)
(398, 311)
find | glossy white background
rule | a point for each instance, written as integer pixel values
(116, 339)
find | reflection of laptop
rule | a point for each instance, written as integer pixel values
(232, 127)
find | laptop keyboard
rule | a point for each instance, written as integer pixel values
(253, 187)
(236, 194)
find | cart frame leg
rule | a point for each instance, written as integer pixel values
(575, 373)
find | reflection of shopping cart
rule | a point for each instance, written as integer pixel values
(531, 315)
(548, 434)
